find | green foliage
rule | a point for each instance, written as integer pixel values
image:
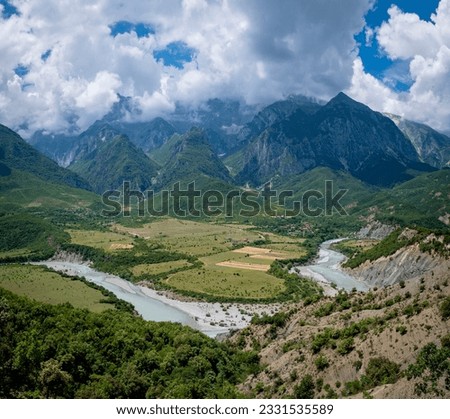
(278, 319)
(342, 339)
(346, 346)
(305, 389)
(15, 153)
(340, 302)
(357, 191)
(414, 308)
(322, 340)
(59, 351)
(114, 162)
(352, 387)
(190, 158)
(395, 241)
(432, 367)
(386, 247)
(381, 371)
(24, 192)
(321, 363)
(325, 309)
(444, 308)
(401, 329)
(24, 237)
(417, 202)
(296, 288)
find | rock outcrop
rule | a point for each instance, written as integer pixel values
(407, 263)
(375, 230)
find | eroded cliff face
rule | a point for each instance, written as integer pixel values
(407, 263)
(65, 256)
(375, 230)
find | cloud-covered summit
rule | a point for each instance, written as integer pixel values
(64, 63)
(77, 55)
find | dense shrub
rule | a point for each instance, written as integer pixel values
(444, 308)
(381, 371)
(305, 389)
(321, 363)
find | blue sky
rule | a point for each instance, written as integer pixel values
(123, 26)
(64, 64)
(8, 9)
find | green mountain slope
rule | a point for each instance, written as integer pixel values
(26, 237)
(114, 162)
(423, 200)
(15, 153)
(357, 192)
(162, 154)
(23, 190)
(190, 158)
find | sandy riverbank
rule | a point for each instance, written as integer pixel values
(220, 317)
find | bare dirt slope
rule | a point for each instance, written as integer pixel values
(358, 345)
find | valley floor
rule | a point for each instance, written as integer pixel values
(210, 318)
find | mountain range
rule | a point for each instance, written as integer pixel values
(292, 143)
(432, 147)
(343, 135)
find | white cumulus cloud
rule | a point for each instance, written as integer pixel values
(255, 50)
(425, 45)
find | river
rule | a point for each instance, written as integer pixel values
(210, 318)
(149, 308)
(327, 270)
(199, 315)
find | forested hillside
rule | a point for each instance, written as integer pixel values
(58, 351)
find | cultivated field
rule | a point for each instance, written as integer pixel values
(235, 257)
(197, 239)
(37, 283)
(228, 282)
(159, 268)
(24, 251)
(108, 241)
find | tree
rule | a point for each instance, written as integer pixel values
(444, 308)
(305, 389)
(382, 371)
(54, 382)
